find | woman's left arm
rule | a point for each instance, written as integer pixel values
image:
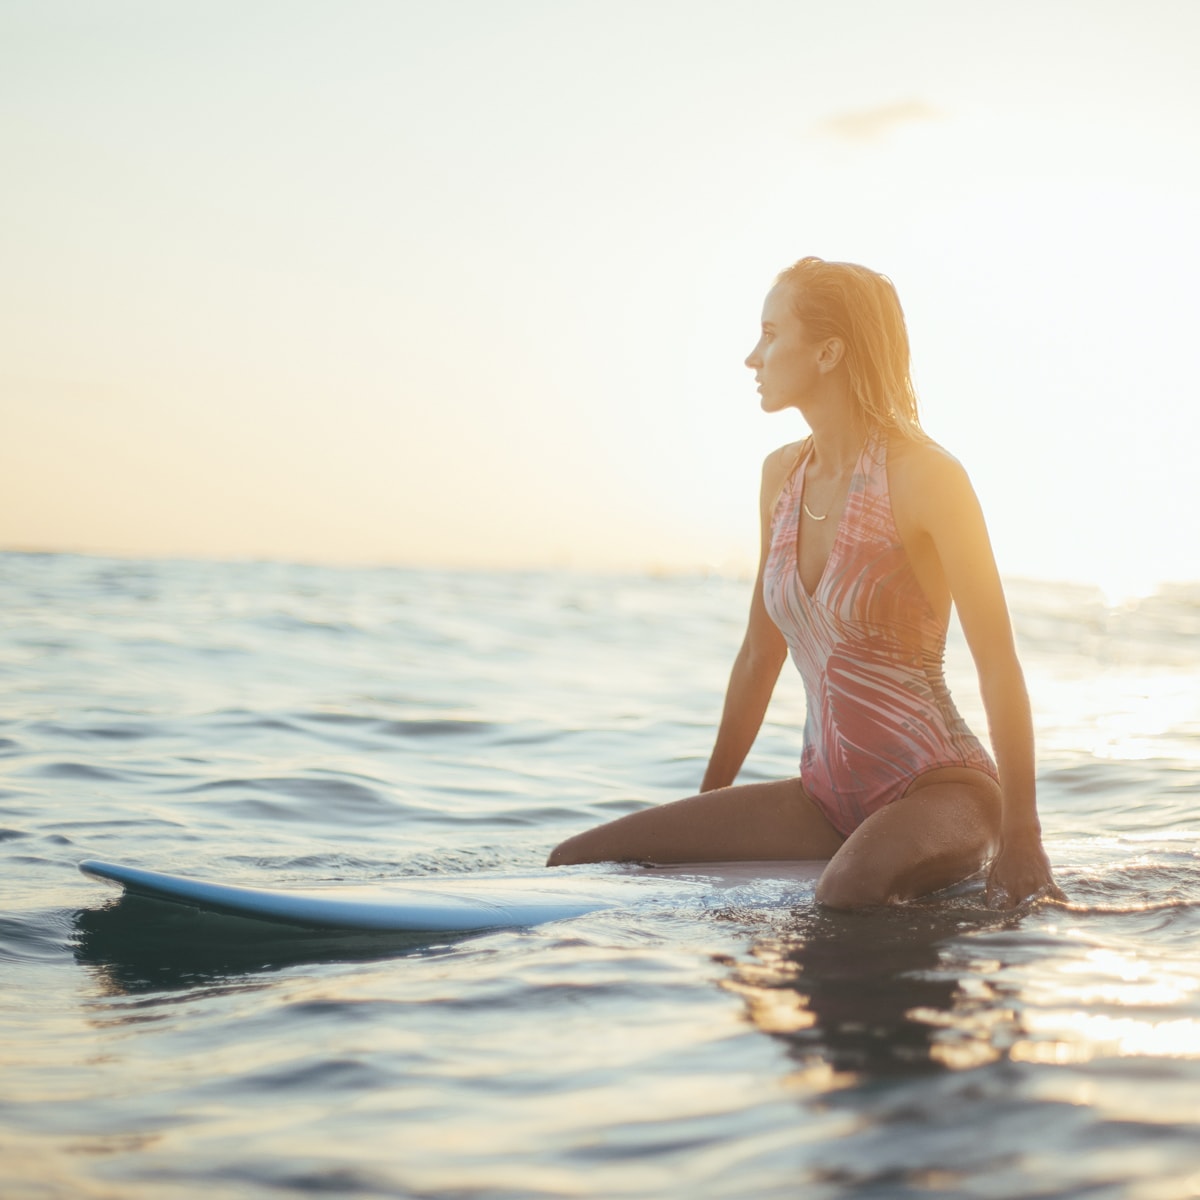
(945, 509)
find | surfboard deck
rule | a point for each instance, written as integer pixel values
(457, 903)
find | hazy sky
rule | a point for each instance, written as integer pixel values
(471, 281)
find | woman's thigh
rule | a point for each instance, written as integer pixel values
(938, 833)
(753, 821)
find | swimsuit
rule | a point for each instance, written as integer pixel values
(869, 648)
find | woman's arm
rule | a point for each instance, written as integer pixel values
(947, 511)
(756, 668)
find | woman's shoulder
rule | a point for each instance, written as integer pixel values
(782, 461)
(777, 468)
(921, 459)
(923, 473)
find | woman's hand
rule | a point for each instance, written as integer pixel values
(1021, 872)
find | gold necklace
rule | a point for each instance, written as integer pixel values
(804, 503)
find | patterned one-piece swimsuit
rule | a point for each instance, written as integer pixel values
(869, 648)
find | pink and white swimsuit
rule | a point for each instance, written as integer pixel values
(869, 648)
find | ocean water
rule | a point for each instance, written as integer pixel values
(291, 725)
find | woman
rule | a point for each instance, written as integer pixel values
(869, 531)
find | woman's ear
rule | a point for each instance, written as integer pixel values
(831, 354)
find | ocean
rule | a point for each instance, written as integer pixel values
(283, 725)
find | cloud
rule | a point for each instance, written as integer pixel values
(874, 124)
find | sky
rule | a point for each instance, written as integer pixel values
(470, 282)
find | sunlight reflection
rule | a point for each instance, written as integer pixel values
(1052, 1053)
(1172, 1188)
(963, 1055)
(1092, 1035)
(819, 1075)
(1141, 982)
(774, 1010)
(967, 1036)
(1113, 715)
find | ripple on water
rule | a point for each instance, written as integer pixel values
(126, 732)
(434, 728)
(320, 1072)
(32, 937)
(79, 771)
(301, 798)
(1129, 874)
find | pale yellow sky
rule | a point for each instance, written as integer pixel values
(472, 282)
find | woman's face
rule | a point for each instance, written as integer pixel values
(786, 362)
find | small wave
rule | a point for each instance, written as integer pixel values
(438, 728)
(273, 724)
(322, 866)
(37, 937)
(318, 1181)
(129, 731)
(351, 728)
(241, 718)
(1119, 877)
(78, 770)
(302, 798)
(118, 733)
(325, 1075)
(292, 623)
(338, 718)
(526, 734)
(1098, 776)
(1130, 909)
(345, 729)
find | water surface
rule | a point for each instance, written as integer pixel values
(276, 725)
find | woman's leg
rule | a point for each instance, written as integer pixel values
(744, 823)
(944, 828)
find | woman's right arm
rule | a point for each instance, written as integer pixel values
(758, 662)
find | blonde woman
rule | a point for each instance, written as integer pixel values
(870, 531)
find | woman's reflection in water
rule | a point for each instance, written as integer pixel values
(862, 996)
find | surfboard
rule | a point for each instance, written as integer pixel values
(465, 903)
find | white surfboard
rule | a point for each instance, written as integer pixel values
(467, 903)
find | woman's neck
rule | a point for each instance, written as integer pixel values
(837, 441)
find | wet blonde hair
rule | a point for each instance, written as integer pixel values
(861, 308)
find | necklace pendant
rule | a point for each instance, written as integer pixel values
(812, 514)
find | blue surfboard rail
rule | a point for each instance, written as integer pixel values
(425, 906)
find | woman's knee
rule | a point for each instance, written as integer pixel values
(843, 887)
(570, 852)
